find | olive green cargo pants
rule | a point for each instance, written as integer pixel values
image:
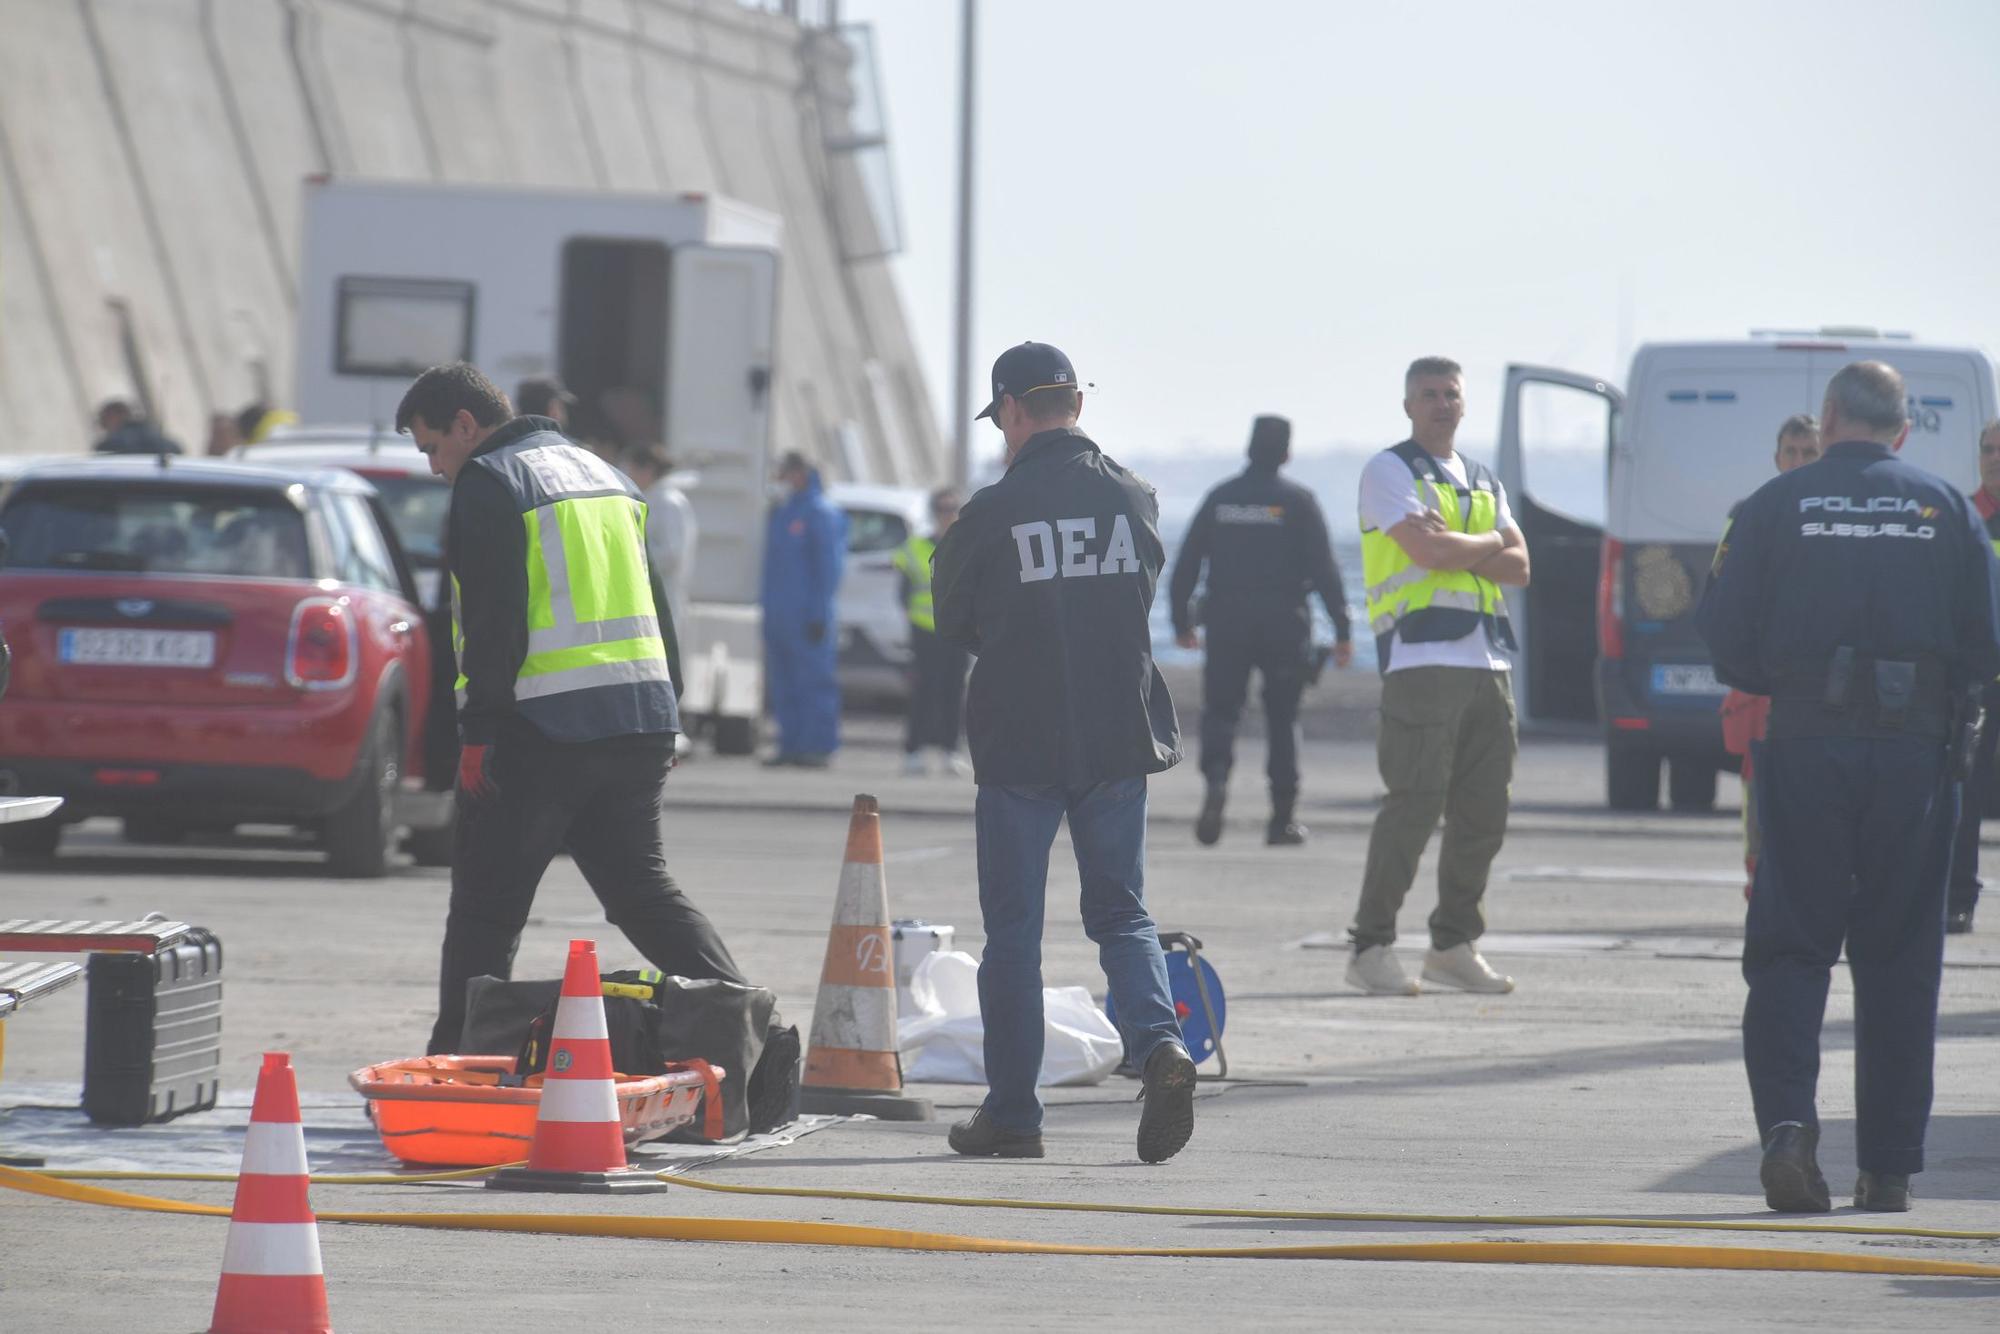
(1446, 749)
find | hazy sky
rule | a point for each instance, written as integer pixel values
(1219, 209)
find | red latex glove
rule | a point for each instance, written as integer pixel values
(472, 778)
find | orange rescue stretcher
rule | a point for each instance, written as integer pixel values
(457, 1111)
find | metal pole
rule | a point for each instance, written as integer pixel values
(961, 396)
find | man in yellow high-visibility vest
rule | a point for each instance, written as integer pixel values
(937, 666)
(1438, 543)
(566, 689)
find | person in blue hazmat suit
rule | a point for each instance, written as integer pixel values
(1858, 593)
(805, 548)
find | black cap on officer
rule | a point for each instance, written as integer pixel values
(1022, 370)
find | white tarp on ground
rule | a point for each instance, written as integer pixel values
(943, 1040)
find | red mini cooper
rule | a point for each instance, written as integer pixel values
(199, 645)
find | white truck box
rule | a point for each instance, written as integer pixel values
(656, 310)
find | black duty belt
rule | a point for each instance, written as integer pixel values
(1859, 695)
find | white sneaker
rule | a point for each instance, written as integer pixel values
(1375, 971)
(913, 764)
(1462, 967)
(955, 763)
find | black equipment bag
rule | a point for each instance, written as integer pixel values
(152, 1046)
(727, 1024)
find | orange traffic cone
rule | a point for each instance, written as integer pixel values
(272, 1282)
(853, 1064)
(579, 1144)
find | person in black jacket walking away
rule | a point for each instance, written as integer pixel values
(1048, 576)
(1264, 542)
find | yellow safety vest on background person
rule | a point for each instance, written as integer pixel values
(1434, 606)
(913, 559)
(597, 654)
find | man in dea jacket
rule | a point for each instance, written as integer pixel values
(1048, 576)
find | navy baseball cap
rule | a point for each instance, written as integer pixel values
(1025, 368)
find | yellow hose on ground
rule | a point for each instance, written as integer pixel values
(1339, 1216)
(785, 1233)
(1155, 1211)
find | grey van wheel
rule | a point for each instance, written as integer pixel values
(1631, 778)
(1691, 783)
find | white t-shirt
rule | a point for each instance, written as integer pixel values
(1389, 496)
(671, 538)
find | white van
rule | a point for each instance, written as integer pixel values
(1607, 627)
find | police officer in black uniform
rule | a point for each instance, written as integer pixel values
(1265, 544)
(1886, 628)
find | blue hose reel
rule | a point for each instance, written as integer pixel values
(1199, 1002)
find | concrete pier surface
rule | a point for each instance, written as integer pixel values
(1609, 1083)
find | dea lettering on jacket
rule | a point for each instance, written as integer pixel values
(1067, 548)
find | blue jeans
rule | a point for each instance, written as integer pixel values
(1857, 845)
(1017, 826)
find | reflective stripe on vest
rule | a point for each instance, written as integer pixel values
(913, 559)
(1435, 606)
(596, 660)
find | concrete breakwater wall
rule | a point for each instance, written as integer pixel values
(152, 154)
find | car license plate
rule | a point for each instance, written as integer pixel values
(136, 648)
(1686, 678)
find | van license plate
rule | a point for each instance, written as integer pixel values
(136, 648)
(1686, 678)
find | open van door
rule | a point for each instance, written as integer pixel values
(1556, 435)
(718, 419)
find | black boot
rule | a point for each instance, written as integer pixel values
(977, 1137)
(1882, 1192)
(1790, 1171)
(1208, 825)
(1284, 831)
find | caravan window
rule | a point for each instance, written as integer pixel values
(401, 326)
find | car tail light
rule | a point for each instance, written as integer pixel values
(321, 652)
(1611, 599)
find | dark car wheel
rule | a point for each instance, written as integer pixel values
(361, 835)
(1691, 783)
(32, 840)
(432, 847)
(735, 736)
(1631, 778)
(152, 829)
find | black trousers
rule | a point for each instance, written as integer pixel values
(600, 802)
(1963, 896)
(1276, 644)
(1857, 835)
(937, 692)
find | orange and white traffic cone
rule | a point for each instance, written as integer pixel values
(579, 1144)
(272, 1282)
(853, 1064)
